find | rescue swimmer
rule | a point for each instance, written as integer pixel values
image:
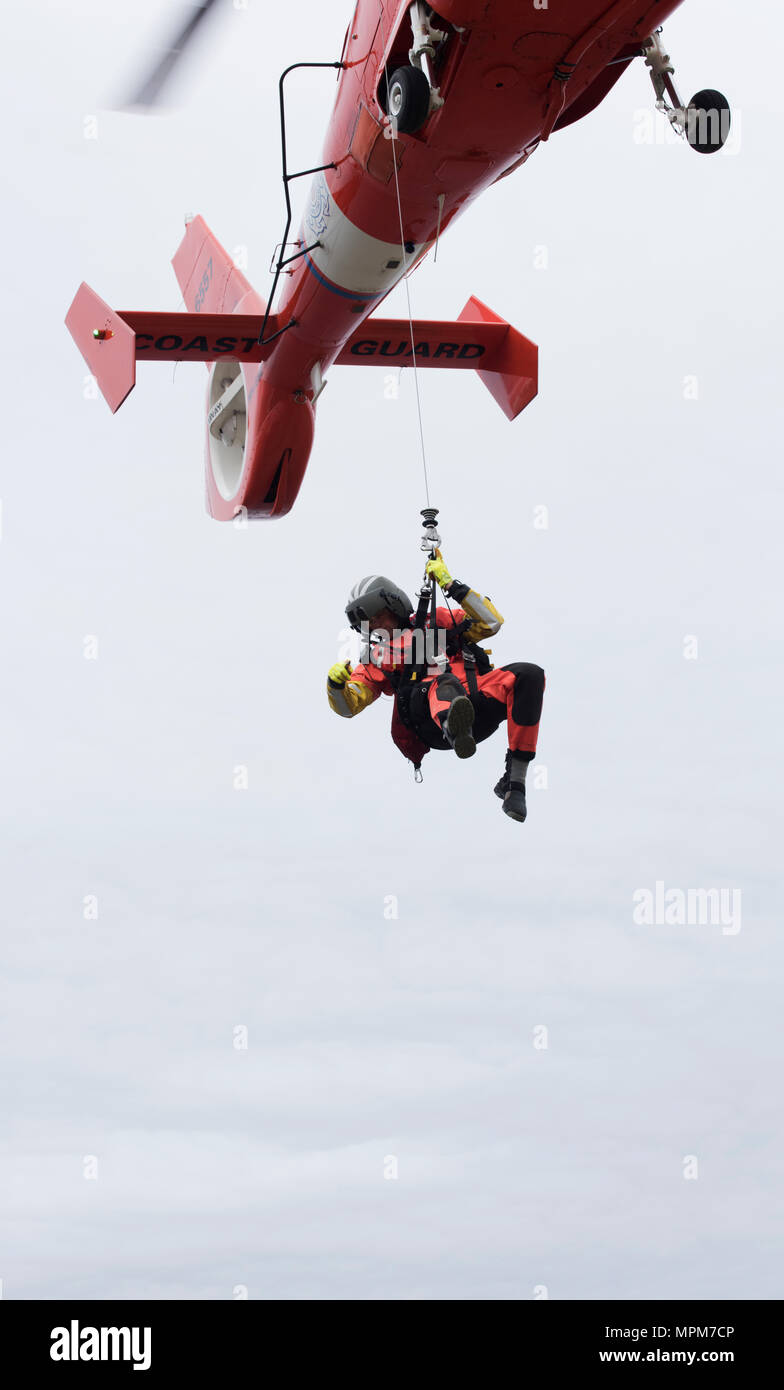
(448, 696)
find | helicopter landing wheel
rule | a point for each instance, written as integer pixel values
(408, 98)
(707, 121)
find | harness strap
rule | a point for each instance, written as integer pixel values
(420, 627)
(422, 606)
(434, 609)
(469, 661)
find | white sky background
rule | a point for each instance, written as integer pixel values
(370, 1037)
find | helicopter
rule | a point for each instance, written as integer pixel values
(432, 107)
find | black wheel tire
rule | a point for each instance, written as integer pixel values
(707, 121)
(407, 97)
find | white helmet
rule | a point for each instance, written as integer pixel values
(371, 594)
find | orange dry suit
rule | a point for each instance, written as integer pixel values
(423, 688)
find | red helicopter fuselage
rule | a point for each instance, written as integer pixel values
(505, 75)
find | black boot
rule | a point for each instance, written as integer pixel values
(511, 787)
(457, 727)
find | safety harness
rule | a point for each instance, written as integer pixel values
(409, 681)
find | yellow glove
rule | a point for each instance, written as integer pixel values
(339, 673)
(438, 570)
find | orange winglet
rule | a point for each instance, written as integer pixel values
(107, 344)
(512, 377)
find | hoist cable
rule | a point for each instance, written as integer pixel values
(405, 275)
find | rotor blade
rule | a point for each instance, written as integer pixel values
(149, 92)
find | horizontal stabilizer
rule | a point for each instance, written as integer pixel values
(162, 337)
(111, 342)
(479, 340)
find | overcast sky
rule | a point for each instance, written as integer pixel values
(144, 1153)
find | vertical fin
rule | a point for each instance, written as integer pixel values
(206, 274)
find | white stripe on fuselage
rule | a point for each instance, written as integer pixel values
(348, 257)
